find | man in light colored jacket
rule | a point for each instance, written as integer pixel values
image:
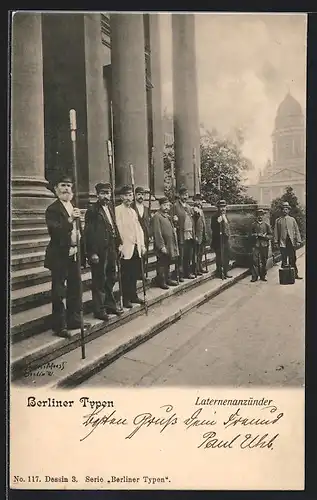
(131, 249)
(287, 237)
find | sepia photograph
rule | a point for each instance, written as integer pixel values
(158, 192)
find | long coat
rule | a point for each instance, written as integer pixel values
(59, 230)
(145, 222)
(164, 234)
(292, 230)
(200, 228)
(215, 230)
(100, 236)
(179, 210)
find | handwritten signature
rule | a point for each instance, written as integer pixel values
(167, 417)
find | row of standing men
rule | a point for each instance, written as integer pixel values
(179, 236)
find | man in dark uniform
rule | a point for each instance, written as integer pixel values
(220, 240)
(102, 241)
(165, 244)
(287, 237)
(200, 233)
(182, 215)
(261, 235)
(143, 213)
(61, 258)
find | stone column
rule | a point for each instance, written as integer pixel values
(185, 98)
(27, 119)
(129, 98)
(97, 118)
(156, 101)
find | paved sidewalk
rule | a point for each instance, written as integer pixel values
(251, 334)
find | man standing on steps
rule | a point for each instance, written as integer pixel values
(220, 239)
(102, 241)
(200, 233)
(261, 234)
(61, 258)
(165, 244)
(131, 249)
(287, 237)
(144, 216)
(185, 234)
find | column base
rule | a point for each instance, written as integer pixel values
(30, 192)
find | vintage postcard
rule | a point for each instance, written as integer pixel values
(158, 206)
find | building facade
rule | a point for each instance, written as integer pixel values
(288, 165)
(107, 68)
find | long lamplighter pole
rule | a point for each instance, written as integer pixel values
(73, 128)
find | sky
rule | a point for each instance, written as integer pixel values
(246, 63)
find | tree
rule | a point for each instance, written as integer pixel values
(222, 164)
(296, 211)
(222, 167)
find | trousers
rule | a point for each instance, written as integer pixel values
(103, 277)
(259, 262)
(65, 284)
(130, 271)
(288, 255)
(222, 261)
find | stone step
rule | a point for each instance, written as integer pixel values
(122, 335)
(26, 233)
(38, 289)
(34, 320)
(31, 277)
(21, 222)
(29, 246)
(27, 260)
(27, 297)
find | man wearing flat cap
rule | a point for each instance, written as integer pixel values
(182, 215)
(200, 232)
(61, 257)
(132, 247)
(287, 237)
(261, 234)
(220, 241)
(165, 244)
(102, 241)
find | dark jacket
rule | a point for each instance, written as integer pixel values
(180, 211)
(215, 230)
(145, 222)
(200, 228)
(100, 236)
(59, 230)
(164, 234)
(258, 228)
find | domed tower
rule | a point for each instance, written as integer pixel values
(289, 136)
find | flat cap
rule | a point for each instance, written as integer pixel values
(162, 200)
(140, 189)
(222, 203)
(102, 186)
(286, 204)
(126, 189)
(259, 211)
(182, 190)
(62, 177)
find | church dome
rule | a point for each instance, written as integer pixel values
(289, 113)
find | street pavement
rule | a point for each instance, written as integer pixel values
(252, 334)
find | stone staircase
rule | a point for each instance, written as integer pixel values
(32, 341)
